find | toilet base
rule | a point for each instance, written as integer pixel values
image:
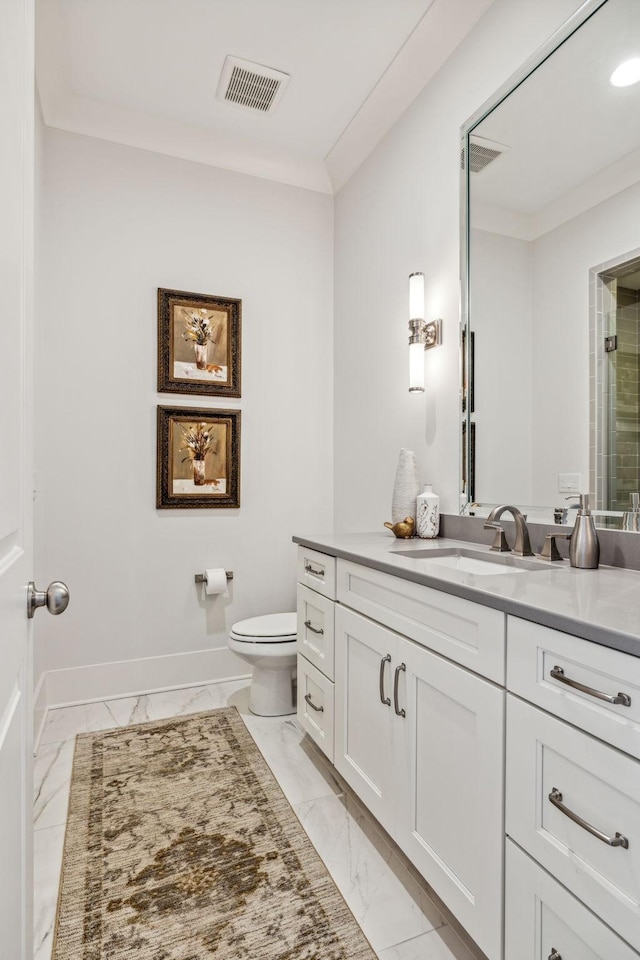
(272, 692)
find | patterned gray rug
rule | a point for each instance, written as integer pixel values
(180, 845)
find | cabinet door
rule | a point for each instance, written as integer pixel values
(573, 803)
(592, 687)
(315, 705)
(317, 571)
(451, 820)
(544, 920)
(315, 629)
(364, 724)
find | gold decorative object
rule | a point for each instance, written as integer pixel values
(404, 529)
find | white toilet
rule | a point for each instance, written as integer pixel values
(268, 643)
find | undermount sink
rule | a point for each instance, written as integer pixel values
(484, 564)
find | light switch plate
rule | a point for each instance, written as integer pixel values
(569, 482)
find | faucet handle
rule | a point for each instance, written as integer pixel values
(499, 544)
(550, 550)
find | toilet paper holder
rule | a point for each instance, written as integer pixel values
(201, 577)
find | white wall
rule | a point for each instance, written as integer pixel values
(561, 263)
(400, 213)
(119, 223)
(530, 311)
(500, 309)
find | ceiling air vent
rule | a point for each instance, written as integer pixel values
(481, 153)
(251, 85)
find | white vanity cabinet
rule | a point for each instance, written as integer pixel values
(419, 738)
(411, 681)
(546, 922)
(573, 783)
(315, 632)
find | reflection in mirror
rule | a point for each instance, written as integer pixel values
(553, 277)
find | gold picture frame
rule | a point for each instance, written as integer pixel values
(199, 343)
(198, 463)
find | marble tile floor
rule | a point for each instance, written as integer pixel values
(389, 903)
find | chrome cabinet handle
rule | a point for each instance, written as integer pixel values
(385, 700)
(307, 697)
(554, 955)
(313, 629)
(396, 680)
(622, 698)
(310, 569)
(617, 841)
(55, 598)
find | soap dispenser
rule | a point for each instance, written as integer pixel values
(584, 549)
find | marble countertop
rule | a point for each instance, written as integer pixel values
(600, 605)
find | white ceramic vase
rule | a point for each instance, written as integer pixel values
(428, 514)
(405, 488)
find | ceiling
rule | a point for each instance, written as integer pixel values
(145, 73)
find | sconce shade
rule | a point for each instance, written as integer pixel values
(416, 323)
(423, 335)
(416, 368)
(416, 296)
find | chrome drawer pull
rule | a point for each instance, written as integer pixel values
(554, 955)
(618, 841)
(307, 697)
(622, 698)
(310, 569)
(385, 700)
(396, 680)
(313, 629)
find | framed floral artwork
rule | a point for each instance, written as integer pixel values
(199, 343)
(198, 458)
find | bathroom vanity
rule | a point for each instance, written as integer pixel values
(486, 710)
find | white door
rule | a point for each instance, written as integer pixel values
(16, 484)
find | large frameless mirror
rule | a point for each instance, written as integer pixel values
(551, 277)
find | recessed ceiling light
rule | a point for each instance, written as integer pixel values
(627, 73)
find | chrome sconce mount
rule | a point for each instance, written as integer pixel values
(428, 333)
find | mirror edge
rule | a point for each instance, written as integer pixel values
(537, 58)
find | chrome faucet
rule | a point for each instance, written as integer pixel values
(522, 546)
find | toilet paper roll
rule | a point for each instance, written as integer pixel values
(215, 582)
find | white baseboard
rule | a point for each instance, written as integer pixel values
(128, 678)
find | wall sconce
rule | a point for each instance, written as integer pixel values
(423, 335)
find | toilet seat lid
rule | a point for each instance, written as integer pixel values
(269, 628)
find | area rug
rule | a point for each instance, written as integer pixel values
(180, 845)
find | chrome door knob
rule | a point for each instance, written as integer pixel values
(55, 598)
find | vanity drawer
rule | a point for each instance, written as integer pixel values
(315, 705)
(315, 629)
(533, 652)
(600, 785)
(461, 630)
(541, 916)
(317, 571)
